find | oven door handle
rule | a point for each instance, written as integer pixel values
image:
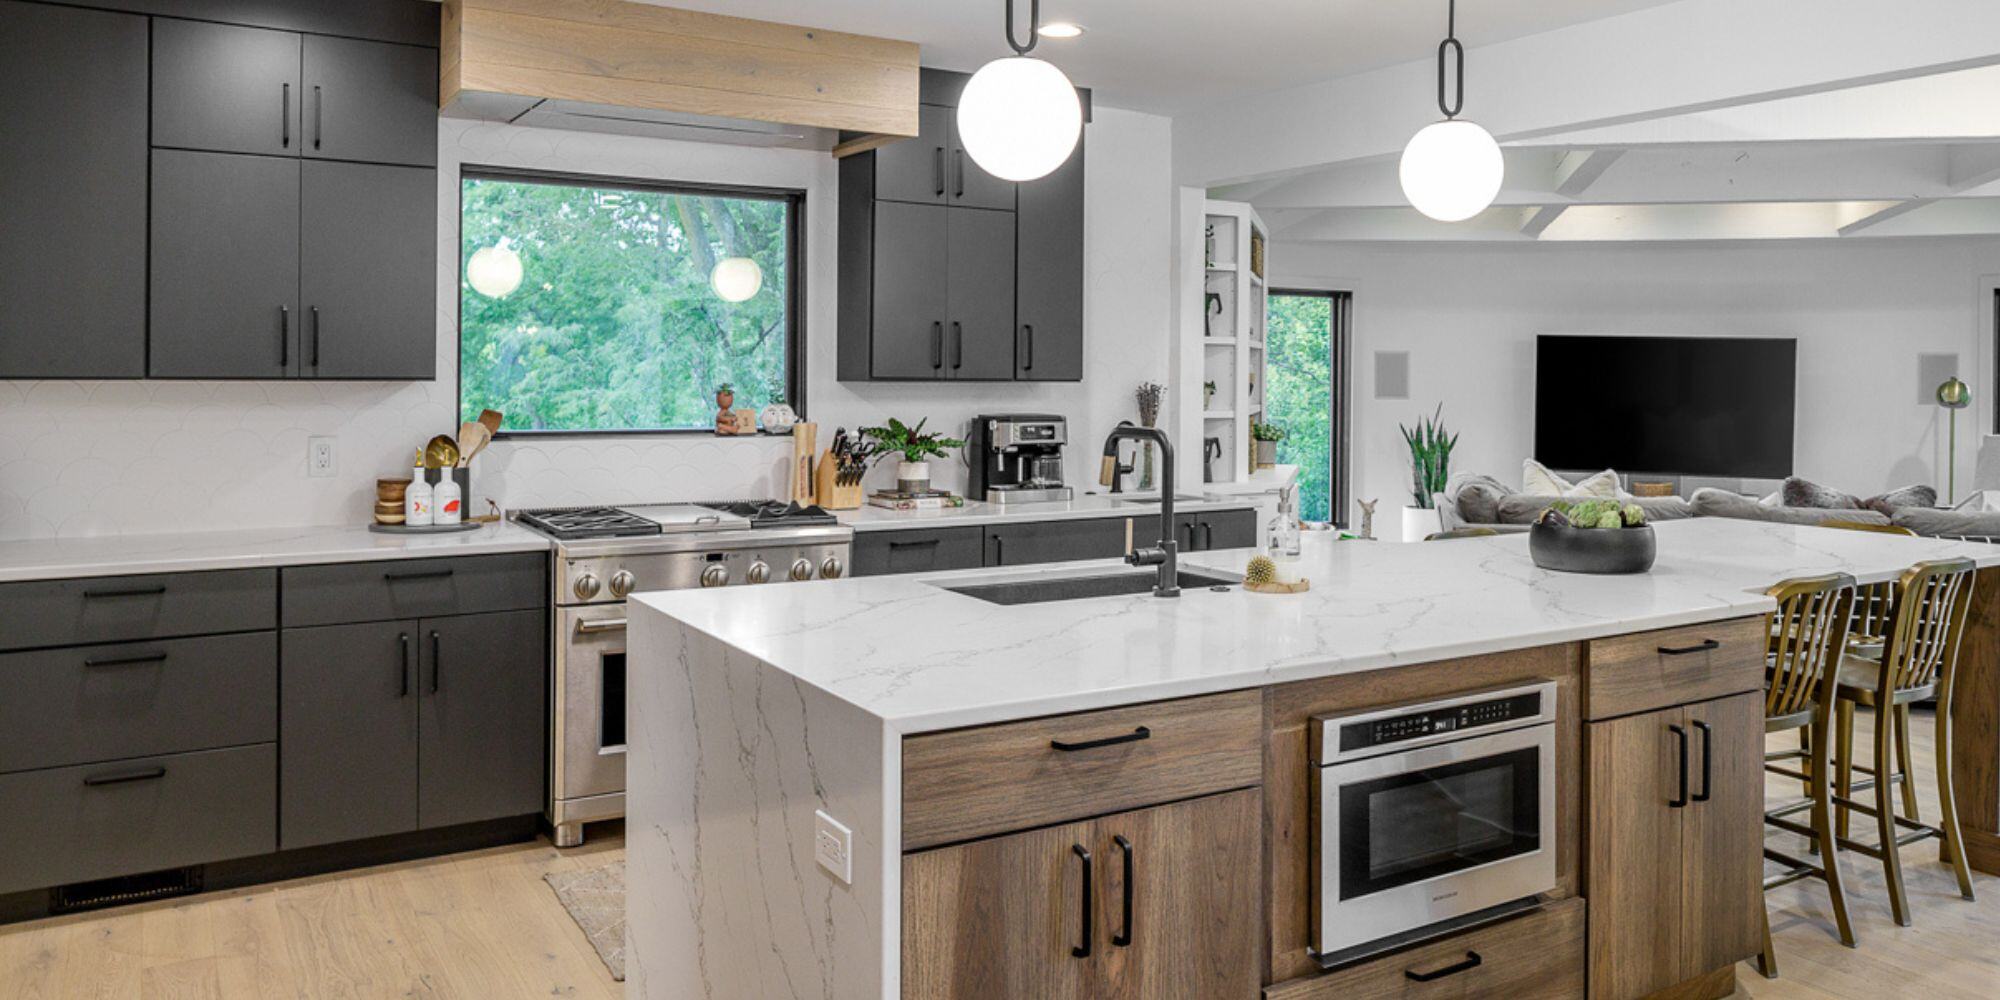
(1472, 961)
(601, 625)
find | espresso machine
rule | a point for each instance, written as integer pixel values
(1017, 458)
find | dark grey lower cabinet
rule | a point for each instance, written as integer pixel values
(1058, 541)
(225, 275)
(879, 553)
(481, 743)
(367, 274)
(347, 727)
(1226, 529)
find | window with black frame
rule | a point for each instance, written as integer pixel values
(601, 306)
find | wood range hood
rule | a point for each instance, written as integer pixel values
(640, 69)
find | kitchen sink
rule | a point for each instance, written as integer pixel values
(1077, 588)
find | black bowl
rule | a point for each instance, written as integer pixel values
(1592, 550)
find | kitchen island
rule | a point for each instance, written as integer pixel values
(866, 702)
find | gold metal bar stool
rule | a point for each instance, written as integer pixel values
(1916, 662)
(1808, 640)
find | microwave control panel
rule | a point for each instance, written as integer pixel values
(1423, 724)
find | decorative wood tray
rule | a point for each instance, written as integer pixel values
(1279, 588)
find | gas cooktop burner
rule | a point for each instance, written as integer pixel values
(772, 513)
(568, 523)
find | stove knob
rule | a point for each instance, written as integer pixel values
(715, 575)
(621, 583)
(587, 586)
(832, 568)
(760, 571)
(802, 570)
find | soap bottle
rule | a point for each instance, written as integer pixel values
(445, 502)
(418, 498)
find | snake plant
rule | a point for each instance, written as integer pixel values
(1430, 456)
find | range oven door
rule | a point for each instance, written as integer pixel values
(1422, 836)
(590, 701)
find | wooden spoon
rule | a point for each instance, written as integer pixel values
(473, 439)
(490, 419)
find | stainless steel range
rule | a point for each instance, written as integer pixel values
(604, 554)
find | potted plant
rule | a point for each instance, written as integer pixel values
(1267, 437)
(725, 397)
(1430, 467)
(1592, 536)
(777, 417)
(913, 472)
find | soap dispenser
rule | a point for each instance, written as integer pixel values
(418, 499)
(446, 507)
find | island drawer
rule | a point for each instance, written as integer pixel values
(118, 608)
(347, 593)
(1536, 956)
(1627, 674)
(972, 783)
(907, 550)
(76, 824)
(94, 703)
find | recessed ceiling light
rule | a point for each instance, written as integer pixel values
(1061, 29)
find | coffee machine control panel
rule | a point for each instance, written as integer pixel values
(1011, 434)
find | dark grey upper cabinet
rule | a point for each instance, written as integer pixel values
(483, 717)
(971, 186)
(910, 300)
(979, 257)
(73, 218)
(915, 170)
(368, 271)
(369, 101)
(225, 274)
(1049, 276)
(347, 729)
(225, 88)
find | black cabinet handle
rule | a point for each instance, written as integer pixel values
(1472, 961)
(1141, 733)
(128, 592)
(284, 336)
(959, 187)
(1027, 346)
(999, 551)
(319, 115)
(1707, 755)
(285, 115)
(1207, 529)
(437, 660)
(125, 777)
(1123, 938)
(418, 574)
(1681, 801)
(924, 543)
(937, 169)
(937, 345)
(404, 640)
(125, 661)
(957, 345)
(315, 343)
(1083, 950)
(1701, 647)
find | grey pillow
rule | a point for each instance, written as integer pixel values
(1914, 495)
(1948, 523)
(1478, 497)
(1806, 493)
(1523, 508)
(1722, 503)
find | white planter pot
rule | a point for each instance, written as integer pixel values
(1419, 522)
(778, 418)
(913, 477)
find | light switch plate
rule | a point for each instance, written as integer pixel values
(319, 457)
(833, 847)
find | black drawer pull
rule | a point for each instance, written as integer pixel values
(937, 345)
(1472, 961)
(403, 639)
(921, 543)
(1123, 938)
(148, 774)
(937, 169)
(1680, 801)
(284, 336)
(425, 574)
(1701, 647)
(958, 155)
(128, 592)
(437, 660)
(1027, 347)
(126, 661)
(315, 340)
(957, 345)
(1134, 736)
(285, 115)
(319, 115)
(1083, 950)
(1707, 755)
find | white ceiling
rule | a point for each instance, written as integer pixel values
(1167, 56)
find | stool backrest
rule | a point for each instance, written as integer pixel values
(1932, 600)
(1808, 635)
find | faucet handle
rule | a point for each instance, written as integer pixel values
(1128, 536)
(1108, 476)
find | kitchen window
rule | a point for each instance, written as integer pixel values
(589, 305)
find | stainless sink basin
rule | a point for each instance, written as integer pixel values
(1077, 588)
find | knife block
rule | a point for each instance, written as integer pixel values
(834, 495)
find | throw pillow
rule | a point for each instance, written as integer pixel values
(1917, 495)
(1710, 502)
(1477, 497)
(1806, 493)
(1537, 480)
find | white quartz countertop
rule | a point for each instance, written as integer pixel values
(1084, 507)
(922, 658)
(118, 555)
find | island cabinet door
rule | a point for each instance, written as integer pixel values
(1636, 859)
(1724, 844)
(1002, 917)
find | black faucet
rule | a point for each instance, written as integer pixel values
(1167, 554)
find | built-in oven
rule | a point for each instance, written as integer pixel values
(588, 773)
(1431, 817)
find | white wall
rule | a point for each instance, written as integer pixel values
(94, 458)
(1469, 315)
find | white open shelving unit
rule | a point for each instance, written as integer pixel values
(1229, 306)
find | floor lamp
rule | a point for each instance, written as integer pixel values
(1954, 396)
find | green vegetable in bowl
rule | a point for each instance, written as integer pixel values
(1592, 514)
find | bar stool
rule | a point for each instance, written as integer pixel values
(1916, 662)
(1808, 640)
(1871, 602)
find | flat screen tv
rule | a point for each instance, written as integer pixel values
(1699, 406)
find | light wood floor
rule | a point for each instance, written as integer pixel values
(484, 926)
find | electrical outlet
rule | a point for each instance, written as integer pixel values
(833, 847)
(319, 457)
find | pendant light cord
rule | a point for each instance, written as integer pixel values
(1449, 44)
(1035, 29)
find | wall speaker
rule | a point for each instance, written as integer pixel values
(1392, 374)
(1932, 370)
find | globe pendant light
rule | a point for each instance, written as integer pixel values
(1452, 169)
(494, 271)
(736, 279)
(1019, 117)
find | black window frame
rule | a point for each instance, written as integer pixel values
(1340, 344)
(795, 279)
